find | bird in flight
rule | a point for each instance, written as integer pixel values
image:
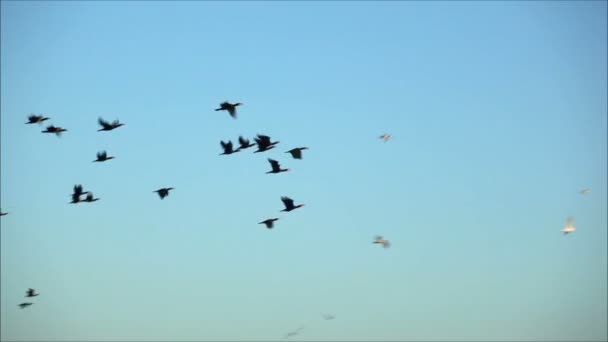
(296, 153)
(90, 198)
(32, 119)
(53, 129)
(25, 305)
(31, 293)
(228, 149)
(164, 192)
(569, 228)
(288, 202)
(379, 239)
(107, 126)
(385, 137)
(293, 333)
(2, 214)
(230, 107)
(264, 143)
(276, 167)
(77, 193)
(102, 156)
(269, 223)
(584, 191)
(244, 143)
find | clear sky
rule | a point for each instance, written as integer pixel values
(498, 115)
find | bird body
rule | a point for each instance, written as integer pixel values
(31, 293)
(264, 143)
(25, 305)
(164, 192)
(229, 107)
(53, 129)
(77, 193)
(276, 167)
(380, 240)
(289, 206)
(244, 143)
(108, 126)
(269, 222)
(32, 119)
(102, 156)
(569, 228)
(2, 214)
(296, 153)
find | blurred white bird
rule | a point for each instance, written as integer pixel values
(385, 137)
(569, 228)
(584, 191)
(380, 239)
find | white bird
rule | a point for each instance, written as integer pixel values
(380, 239)
(385, 137)
(584, 191)
(569, 228)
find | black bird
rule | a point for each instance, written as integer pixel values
(75, 199)
(78, 190)
(107, 126)
(244, 143)
(264, 143)
(288, 202)
(25, 305)
(228, 148)
(32, 119)
(276, 168)
(90, 198)
(102, 156)
(31, 293)
(231, 108)
(2, 214)
(297, 152)
(164, 192)
(53, 129)
(269, 223)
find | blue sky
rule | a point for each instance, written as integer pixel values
(498, 116)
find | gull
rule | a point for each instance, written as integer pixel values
(381, 240)
(569, 228)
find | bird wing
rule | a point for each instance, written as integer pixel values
(223, 144)
(287, 201)
(378, 237)
(232, 111)
(275, 164)
(104, 123)
(297, 153)
(243, 141)
(78, 189)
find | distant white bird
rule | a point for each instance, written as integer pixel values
(380, 239)
(569, 228)
(584, 191)
(385, 137)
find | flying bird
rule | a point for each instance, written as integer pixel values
(381, 240)
(584, 191)
(53, 129)
(31, 293)
(90, 198)
(329, 317)
(32, 119)
(108, 126)
(228, 149)
(569, 228)
(276, 167)
(385, 137)
(297, 152)
(231, 108)
(2, 214)
(293, 333)
(269, 223)
(288, 202)
(164, 192)
(77, 193)
(244, 143)
(25, 305)
(102, 156)
(264, 143)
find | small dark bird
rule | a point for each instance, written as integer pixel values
(25, 305)
(2, 214)
(32, 119)
(269, 223)
(228, 148)
(102, 156)
(107, 126)
(297, 152)
(77, 193)
(264, 143)
(53, 129)
(244, 143)
(75, 199)
(231, 108)
(31, 293)
(276, 168)
(164, 192)
(380, 240)
(90, 198)
(288, 202)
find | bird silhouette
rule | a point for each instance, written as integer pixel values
(77, 193)
(231, 108)
(107, 126)
(32, 119)
(25, 305)
(228, 149)
(269, 222)
(244, 143)
(569, 228)
(90, 198)
(264, 143)
(31, 293)
(385, 243)
(296, 153)
(288, 202)
(53, 129)
(293, 333)
(164, 192)
(102, 156)
(276, 167)
(2, 214)
(385, 137)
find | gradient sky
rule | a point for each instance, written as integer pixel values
(498, 112)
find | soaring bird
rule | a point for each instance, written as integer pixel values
(276, 168)
(90, 198)
(25, 305)
(288, 202)
(584, 191)
(385, 137)
(244, 143)
(32, 119)
(264, 143)
(31, 293)
(228, 149)
(329, 317)
(269, 223)
(107, 126)
(164, 192)
(380, 239)
(53, 129)
(102, 156)
(231, 108)
(297, 152)
(569, 228)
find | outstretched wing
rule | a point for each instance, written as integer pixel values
(288, 202)
(275, 164)
(104, 123)
(232, 111)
